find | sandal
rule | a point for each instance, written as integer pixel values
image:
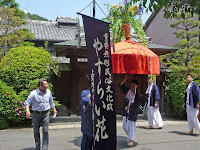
(149, 127)
(130, 144)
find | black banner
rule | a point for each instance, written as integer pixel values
(102, 87)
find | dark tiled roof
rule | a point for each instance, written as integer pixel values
(50, 31)
(160, 49)
(156, 46)
(69, 20)
(83, 42)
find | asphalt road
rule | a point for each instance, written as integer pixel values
(68, 137)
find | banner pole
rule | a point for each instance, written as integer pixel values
(94, 8)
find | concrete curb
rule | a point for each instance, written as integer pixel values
(54, 126)
(70, 122)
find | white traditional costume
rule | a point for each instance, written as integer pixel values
(191, 99)
(154, 116)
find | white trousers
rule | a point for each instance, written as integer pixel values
(124, 125)
(154, 117)
(129, 128)
(193, 122)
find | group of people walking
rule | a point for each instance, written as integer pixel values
(133, 99)
(130, 110)
(131, 106)
(41, 100)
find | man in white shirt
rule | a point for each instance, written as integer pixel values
(41, 100)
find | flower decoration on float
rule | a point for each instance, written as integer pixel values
(123, 17)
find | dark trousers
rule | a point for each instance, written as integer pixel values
(87, 142)
(41, 118)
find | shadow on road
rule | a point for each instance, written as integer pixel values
(141, 127)
(77, 141)
(121, 142)
(145, 127)
(33, 148)
(182, 133)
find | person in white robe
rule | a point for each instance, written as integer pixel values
(154, 116)
(191, 104)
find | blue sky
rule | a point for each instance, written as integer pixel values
(50, 9)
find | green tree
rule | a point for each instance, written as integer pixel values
(185, 60)
(188, 47)
(24, 64)
(11, 107)
(12, 35)
(176, 84)
(8, 3)
(171, 7)
(195, 62)
(12, 4)
(36, 17)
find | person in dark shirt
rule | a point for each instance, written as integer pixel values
(130, 110)
(86, 120)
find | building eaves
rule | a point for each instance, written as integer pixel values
(72, 43)
(161, 49)
(158, 49)
(156, 46)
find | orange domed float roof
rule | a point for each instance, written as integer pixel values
(134, 58)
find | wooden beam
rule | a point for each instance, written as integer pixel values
(63, 51)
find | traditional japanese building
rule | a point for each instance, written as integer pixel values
(62, 37)
(69, 86)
